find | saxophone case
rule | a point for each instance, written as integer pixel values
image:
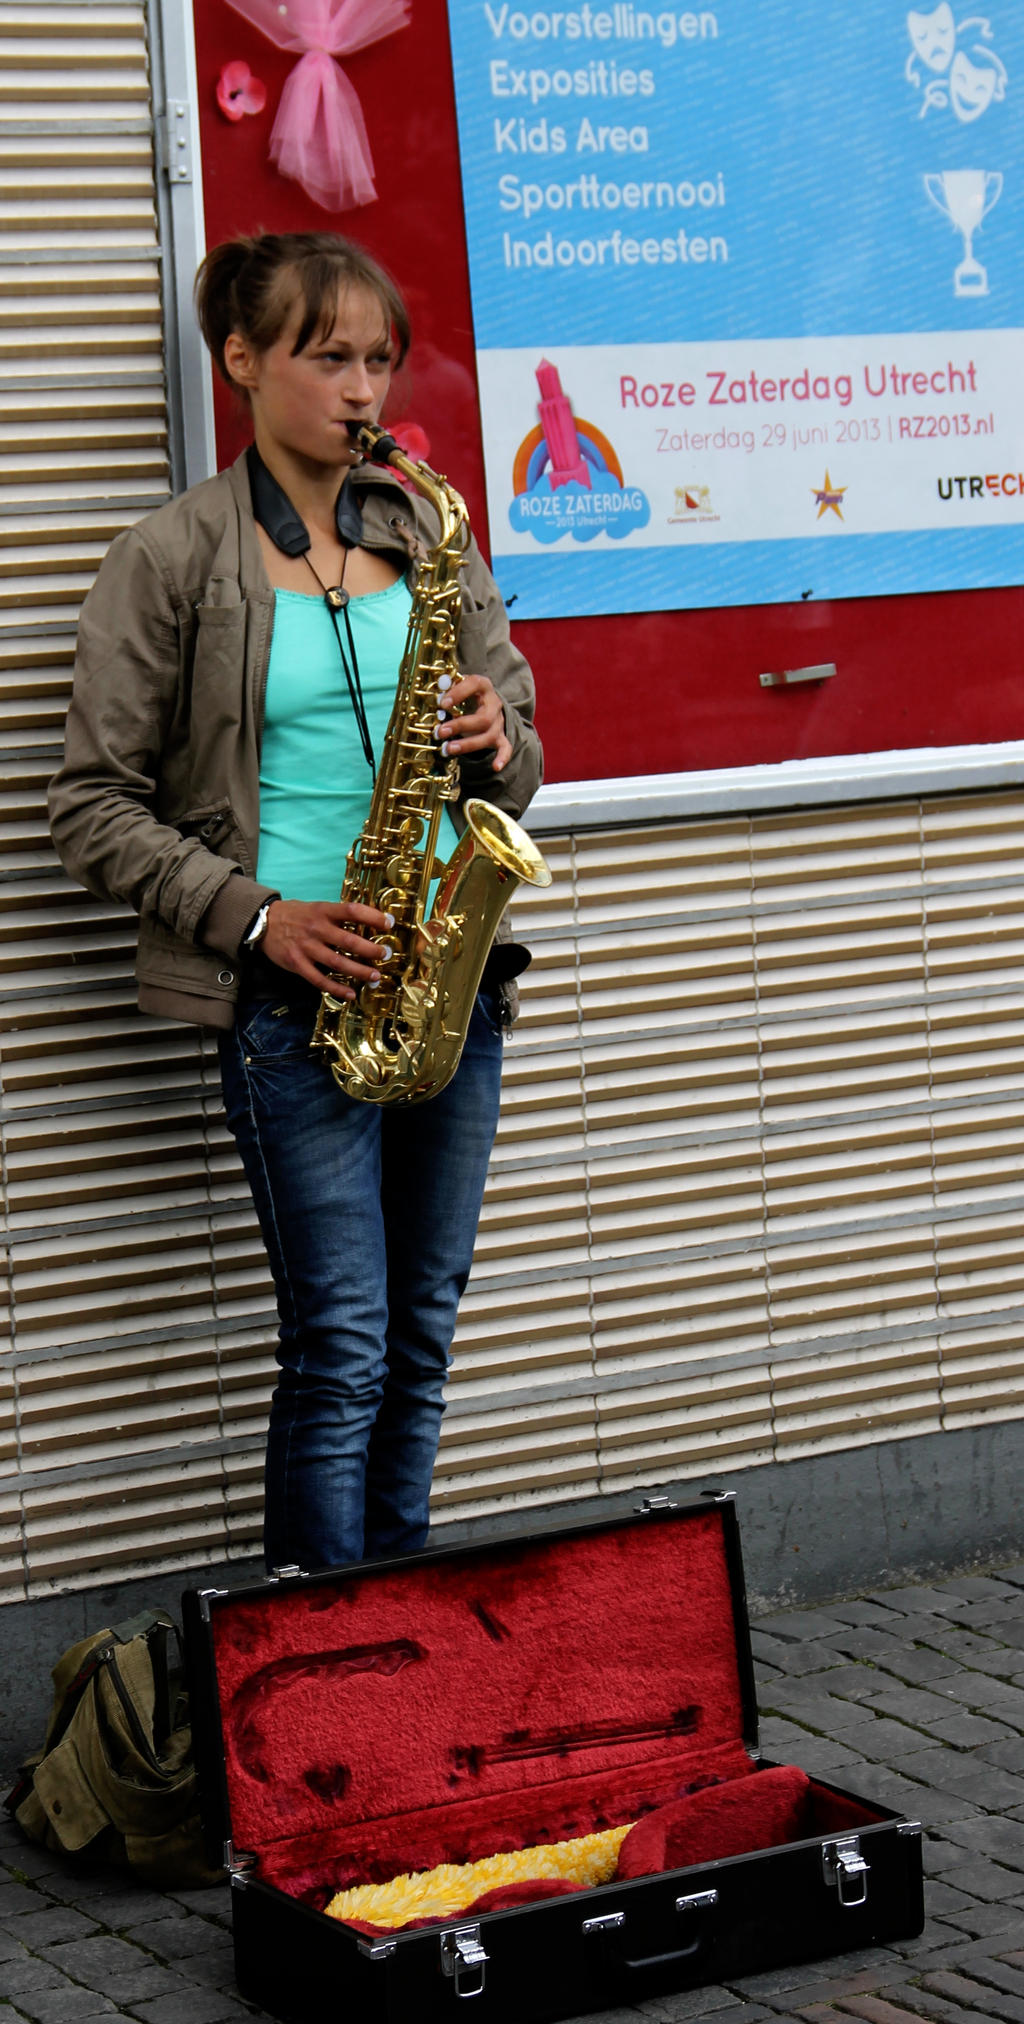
(354, 1725)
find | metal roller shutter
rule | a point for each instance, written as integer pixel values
(773, 1209)
(82, 452)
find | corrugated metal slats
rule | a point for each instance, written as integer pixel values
(800, 1048)
(95, 1281)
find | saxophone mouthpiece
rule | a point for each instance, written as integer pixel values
(375, 443)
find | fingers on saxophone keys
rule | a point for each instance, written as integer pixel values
(347, 983)
(363, 973)
(365, 951)
(443, 712)
(361, 958)
(362, 918)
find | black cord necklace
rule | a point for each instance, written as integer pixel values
(288, 531)
(337, 600)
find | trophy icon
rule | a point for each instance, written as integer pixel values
(965, 197)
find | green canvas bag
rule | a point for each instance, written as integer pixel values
(115, 1777)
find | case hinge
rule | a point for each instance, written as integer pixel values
(463, 1958)
(656, 1504)
(845, 1868)
(291, 1571)
(205, 1597)
(239, 1863)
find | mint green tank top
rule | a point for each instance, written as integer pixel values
(315, 784)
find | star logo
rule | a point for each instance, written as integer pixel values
(830, 498)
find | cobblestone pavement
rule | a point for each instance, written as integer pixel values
(914, 1696)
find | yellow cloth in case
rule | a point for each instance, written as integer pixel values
(448, 1889)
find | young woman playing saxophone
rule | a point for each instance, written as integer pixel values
(227, 709)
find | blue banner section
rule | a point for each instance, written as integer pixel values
(777, 150)
(775, 572)
(774, 171)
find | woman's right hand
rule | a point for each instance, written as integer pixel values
(325, 941)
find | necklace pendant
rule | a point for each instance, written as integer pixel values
(336, 599)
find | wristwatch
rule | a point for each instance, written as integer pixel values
(254, 935)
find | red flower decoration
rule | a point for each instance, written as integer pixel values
(239, 92)
(414, 441)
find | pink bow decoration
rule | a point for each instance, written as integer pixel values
(319, 136)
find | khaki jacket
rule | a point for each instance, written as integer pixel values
(157, 802)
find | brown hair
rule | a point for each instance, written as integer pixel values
(250, 285)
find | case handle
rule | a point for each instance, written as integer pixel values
(649, 1964)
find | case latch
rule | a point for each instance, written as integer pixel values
(845, 1868)
(463, 1958)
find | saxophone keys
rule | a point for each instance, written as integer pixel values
(401, 873)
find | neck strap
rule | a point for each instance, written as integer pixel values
(277, 516)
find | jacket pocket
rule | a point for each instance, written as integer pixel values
(211, 823)
(218, 681)
(473, 642)
(277, 1029)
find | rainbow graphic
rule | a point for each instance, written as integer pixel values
(533, 456)
(566, 476)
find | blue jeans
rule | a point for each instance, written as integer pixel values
(369, 1217)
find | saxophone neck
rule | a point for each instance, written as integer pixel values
(381, 448)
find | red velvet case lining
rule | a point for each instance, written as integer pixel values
(391, 1719)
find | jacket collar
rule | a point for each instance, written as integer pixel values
(275, 513)
(389, 521)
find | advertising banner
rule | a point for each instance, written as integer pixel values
(748, 298)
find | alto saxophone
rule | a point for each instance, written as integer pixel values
(400, 1041)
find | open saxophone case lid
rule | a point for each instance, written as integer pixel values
(525, 1773)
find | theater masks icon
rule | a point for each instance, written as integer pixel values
(972, 86)
(933, 36)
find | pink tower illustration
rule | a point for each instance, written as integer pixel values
(567, 461)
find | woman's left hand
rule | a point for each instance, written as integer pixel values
(479, 725)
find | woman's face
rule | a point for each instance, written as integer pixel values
(302, 404)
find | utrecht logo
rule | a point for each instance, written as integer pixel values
(995, 485)
(692, 503)
(567, 478)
